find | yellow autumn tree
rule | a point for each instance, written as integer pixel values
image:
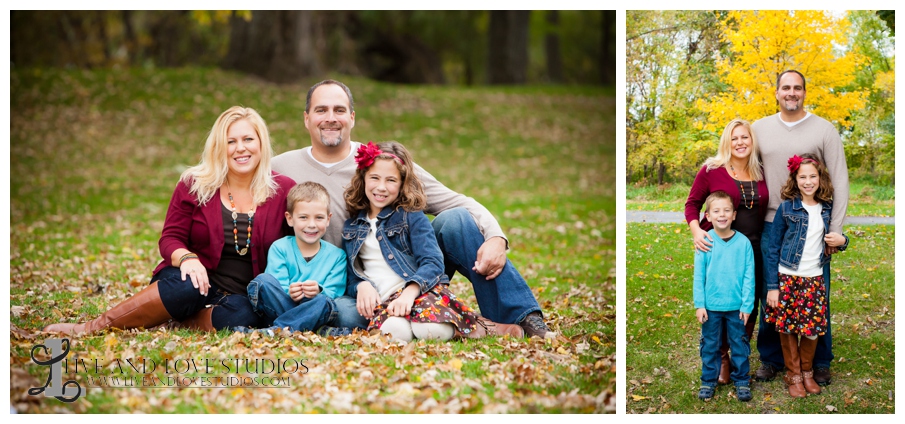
(763, 44)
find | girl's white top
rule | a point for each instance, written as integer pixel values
(813, 245)
(376, 268)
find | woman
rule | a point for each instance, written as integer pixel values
(224, 215)
(736, 169)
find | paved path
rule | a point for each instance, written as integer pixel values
(678, 217)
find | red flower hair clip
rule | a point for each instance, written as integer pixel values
(795, 163)
(367, 153)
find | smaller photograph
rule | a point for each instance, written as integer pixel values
(760, 212)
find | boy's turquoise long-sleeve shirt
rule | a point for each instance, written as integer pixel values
(724, 276)
(286, 263)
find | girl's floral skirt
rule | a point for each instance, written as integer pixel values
(438, 305)
(802, 306)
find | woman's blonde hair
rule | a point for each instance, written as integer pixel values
(206, 177)
(411, 193)
(724, 152)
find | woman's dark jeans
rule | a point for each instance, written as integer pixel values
(183, 300)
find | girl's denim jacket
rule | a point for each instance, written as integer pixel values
(790, 228)
(407, 242)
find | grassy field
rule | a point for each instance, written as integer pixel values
(96, 154)
(663, 364)
(866, 199)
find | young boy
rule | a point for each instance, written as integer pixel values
(304, 273)
(724, 297)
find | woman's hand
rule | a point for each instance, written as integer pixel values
(402, 306)
(773, 298)
(197, 273)
(702, 239)
(368, 299)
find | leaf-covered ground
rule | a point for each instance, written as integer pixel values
(96, 154)
(663, 363)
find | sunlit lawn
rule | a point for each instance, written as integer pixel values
(96, 154)
(663, 365)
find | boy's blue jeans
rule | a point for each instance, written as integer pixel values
(768, 345)
(269, 300)
(739, 347)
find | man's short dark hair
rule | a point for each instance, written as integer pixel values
(803, 83)
(329, 81)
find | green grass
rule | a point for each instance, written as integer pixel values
(662, 360)
(865, 199)
(95, 157)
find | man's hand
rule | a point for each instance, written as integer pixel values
(744, 317)
(701, 313)
(368, 299)
(298, 291)
(491, 258)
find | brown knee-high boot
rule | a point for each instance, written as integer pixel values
(806, 350)
(201, 321)
(143, 310)
(790, 355)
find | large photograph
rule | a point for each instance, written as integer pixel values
(760, 150)
(312, 212)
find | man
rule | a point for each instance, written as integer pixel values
(469, 236)
(794, 131)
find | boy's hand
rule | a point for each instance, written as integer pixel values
(402, 306)
(701, 314)
(773, 298)
(368, 299)
(744, 317)
(299, 291)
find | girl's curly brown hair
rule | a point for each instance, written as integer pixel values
(411, 194)
(824, 193)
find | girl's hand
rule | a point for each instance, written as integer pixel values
(197, 274)
(701, 313)
(834, 239)
(702, 240)
(773, 298)
(402, 306)
(368, 299)
(744, 317)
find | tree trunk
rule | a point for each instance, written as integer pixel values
(508, 47)
(275, 45)
(554, 58)
(661, 174)
(608, 48)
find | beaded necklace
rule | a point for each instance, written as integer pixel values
(251, 218)
(742, 188)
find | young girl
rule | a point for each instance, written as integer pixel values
(796, 293)
(395, 267)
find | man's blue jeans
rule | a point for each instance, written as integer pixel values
(739, 347)
(506, 299)
(768, 345)
(268, 299)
